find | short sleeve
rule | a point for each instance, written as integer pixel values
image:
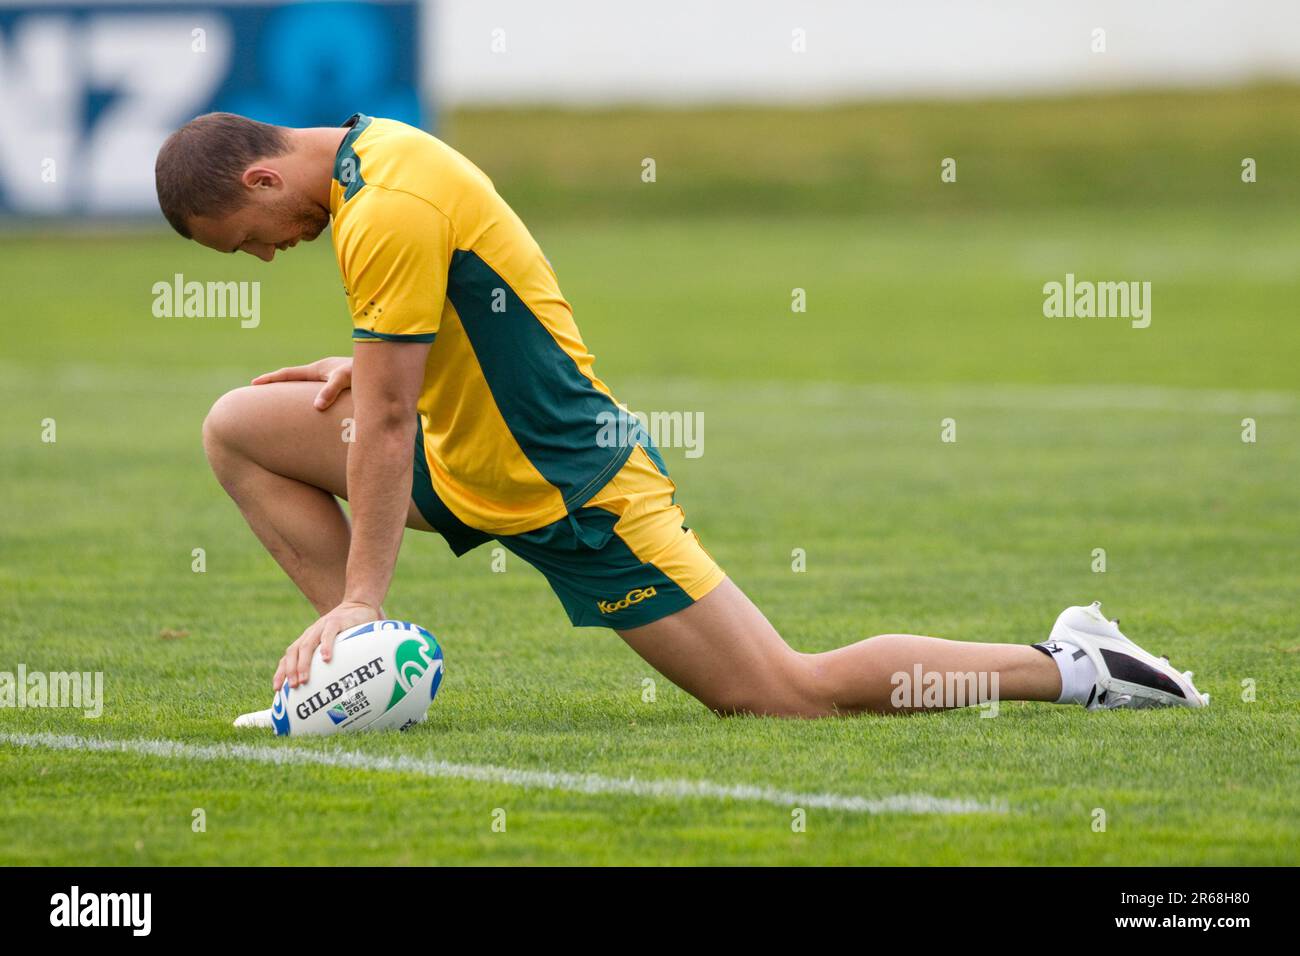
(394, 251)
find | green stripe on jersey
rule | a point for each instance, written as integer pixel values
(365, 335)
(553, 411)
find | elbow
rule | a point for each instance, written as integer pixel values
(388, 418)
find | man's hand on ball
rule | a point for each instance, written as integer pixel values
(335, 372)
(295, 666)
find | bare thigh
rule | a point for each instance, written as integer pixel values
(725, 653)
(277, 427)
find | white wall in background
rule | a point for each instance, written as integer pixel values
(605, 51)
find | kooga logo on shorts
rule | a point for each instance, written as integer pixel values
(634, 596)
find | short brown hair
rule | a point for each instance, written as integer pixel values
(198, 169)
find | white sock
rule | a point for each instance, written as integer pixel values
(1078, 673)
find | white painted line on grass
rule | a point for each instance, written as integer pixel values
(586, 783)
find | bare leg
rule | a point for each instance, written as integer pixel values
(723, 651)
(284, 462)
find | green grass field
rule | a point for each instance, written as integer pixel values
(822, 432)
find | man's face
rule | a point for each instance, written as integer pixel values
(270, 219)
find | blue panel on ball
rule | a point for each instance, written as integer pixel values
(280, 712)
(363, 629)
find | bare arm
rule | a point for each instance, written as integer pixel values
(385, 380)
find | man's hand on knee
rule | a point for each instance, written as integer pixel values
(334, 371)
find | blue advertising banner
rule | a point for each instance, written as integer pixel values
(88, 91)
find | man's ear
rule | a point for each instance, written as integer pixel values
(261, 177)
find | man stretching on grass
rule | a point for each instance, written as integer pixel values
(477, 414)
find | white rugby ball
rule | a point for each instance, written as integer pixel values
(383, 676)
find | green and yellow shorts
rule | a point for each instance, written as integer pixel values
(624, 559)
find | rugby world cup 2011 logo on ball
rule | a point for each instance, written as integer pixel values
(417, 673)
(383, 675)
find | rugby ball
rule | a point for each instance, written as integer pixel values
(383, 676)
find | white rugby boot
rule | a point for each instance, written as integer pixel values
(258, 719)
(1127, 676)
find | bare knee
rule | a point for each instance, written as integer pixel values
(226, 427)
(791, 689)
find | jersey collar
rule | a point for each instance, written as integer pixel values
(347, 167)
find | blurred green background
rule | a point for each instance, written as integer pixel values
(907, 278)
(924, 301)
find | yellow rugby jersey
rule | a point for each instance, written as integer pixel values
(515, 423)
